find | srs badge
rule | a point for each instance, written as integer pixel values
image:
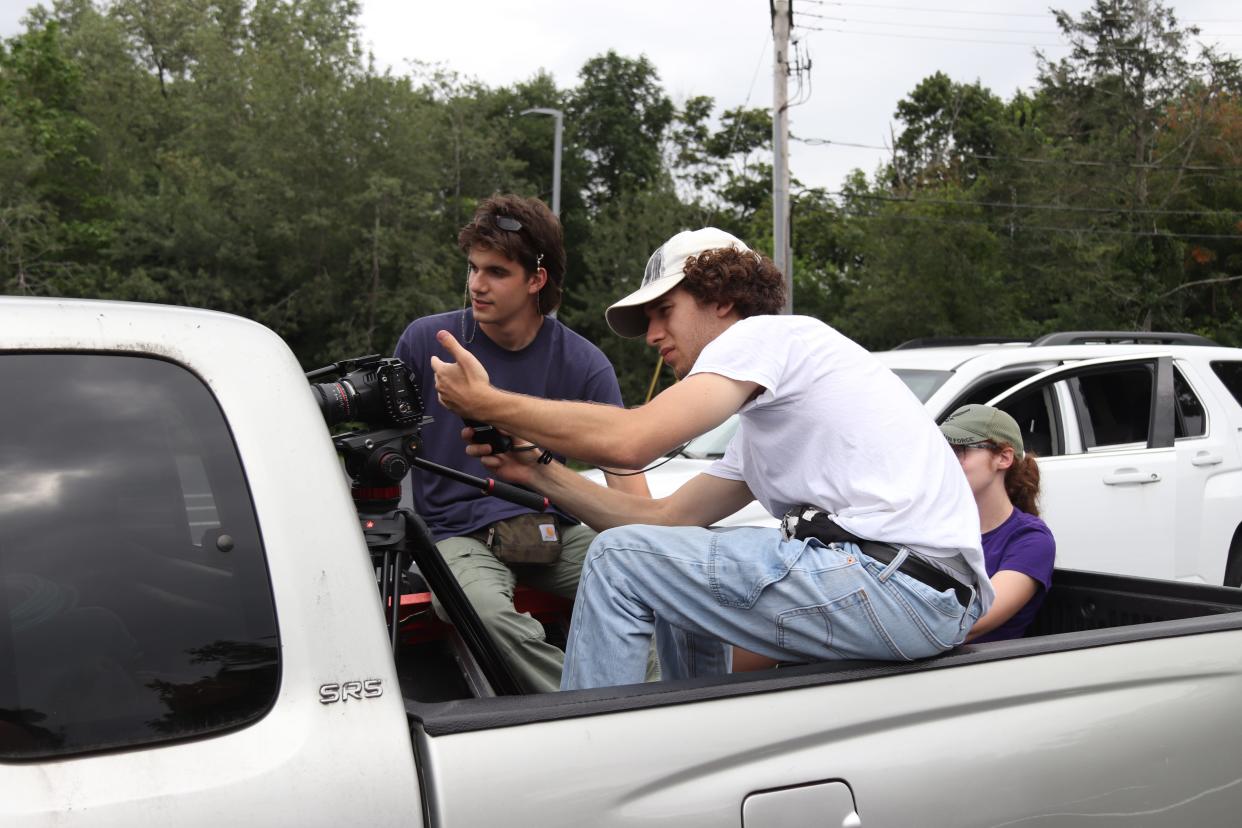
(343, 692)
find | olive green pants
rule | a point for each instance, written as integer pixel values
(489, 585)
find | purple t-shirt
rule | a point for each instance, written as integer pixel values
(558, 364)
(1023, 543)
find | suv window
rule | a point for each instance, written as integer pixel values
(1034, 410)
(1116, 405)
(135, 605)
(1190, 420)
(987, 387)
(1230, 373)
(922, 382)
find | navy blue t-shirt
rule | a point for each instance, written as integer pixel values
(558, 364)
(1023, 543)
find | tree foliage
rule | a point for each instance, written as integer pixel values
(248, 155)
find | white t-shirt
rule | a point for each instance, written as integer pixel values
(835, 429)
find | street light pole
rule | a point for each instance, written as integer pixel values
(556, 153)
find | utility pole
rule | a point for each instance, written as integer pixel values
(782, 22)
(556, 153)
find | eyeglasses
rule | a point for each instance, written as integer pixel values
(960, 451)
(507, 223)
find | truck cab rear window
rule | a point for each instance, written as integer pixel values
(135, 605)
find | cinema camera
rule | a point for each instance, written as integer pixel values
(382, 395)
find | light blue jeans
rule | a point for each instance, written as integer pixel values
(698, 591)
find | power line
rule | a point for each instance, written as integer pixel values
(944, 39)
(1017, 205)
(1021, 160)
(1047, 228)
(1109, 47)
(1040, 15)
(925, 9)
(920, 25)
(737, 127)
(1040, 32)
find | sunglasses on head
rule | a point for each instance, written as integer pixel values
(507, 223)
(513, 226)
(960, 451)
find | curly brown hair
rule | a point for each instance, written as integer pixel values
(540, 242)
(748, 279)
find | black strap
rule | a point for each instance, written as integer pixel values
(808, 522)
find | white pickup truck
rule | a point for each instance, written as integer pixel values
(191, 634)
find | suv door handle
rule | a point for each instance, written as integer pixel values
(1130, 477)
(1206, 458)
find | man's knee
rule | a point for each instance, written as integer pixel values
(493, 607)
(621, 538)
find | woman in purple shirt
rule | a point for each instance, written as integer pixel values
(1018, 548)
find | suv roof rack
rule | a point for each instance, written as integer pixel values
(944, 341)
(1121, 338)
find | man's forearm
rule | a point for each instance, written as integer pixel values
(597, 506)
(600, 434)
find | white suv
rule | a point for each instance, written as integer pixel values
(1137, 436)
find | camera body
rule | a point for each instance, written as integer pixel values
(382, 394)
(375, 390)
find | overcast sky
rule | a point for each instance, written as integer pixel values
(864, 56)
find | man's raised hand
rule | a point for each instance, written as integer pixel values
(462, 384)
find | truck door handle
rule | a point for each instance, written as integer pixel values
(1206, 458)
(1130, 477)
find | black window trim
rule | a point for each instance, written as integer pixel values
(1189, 378)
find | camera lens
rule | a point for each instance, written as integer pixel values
(373, 391)
(337, 401)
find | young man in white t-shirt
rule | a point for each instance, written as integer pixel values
(824, 426)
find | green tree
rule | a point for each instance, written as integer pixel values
(1110, 100)
(620, 117)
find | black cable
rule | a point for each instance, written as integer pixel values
(653, 466)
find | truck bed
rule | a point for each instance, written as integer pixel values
(1083, 610)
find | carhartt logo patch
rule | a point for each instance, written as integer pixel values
(548, 532)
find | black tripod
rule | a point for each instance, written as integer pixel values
(377, 461)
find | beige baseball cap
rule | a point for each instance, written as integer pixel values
(665, 269)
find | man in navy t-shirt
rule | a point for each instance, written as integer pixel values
(516, 267)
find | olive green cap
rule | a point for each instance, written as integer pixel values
(972, 424)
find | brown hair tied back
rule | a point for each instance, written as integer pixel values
(1022, 484)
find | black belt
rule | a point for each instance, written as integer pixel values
(808, 522)
(917, 569)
